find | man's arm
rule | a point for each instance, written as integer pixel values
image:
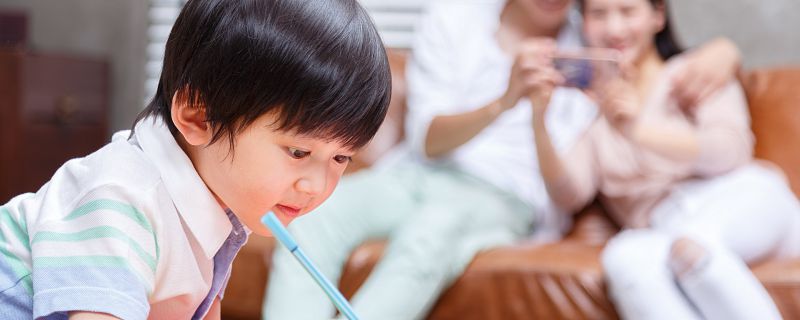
(707, 70)
(448, 132)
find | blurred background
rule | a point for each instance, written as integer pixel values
(92, 65)
(73, 71)
(129, 34)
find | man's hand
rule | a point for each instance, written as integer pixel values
(533, 74)
(707, 69)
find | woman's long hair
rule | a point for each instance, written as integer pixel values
(665, 39)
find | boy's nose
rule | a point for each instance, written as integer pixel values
(312, 184)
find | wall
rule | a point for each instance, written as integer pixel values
(766, 31)
(117, 30)
(110, 29)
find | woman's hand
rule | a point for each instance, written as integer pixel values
(533, 74)
(707, 69)
(619, 103)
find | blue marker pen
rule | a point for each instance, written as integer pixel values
(283, 236)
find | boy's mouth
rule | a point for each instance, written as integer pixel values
(289, 211)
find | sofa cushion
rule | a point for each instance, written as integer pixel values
(774, 99)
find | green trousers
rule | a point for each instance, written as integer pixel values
(435, 219)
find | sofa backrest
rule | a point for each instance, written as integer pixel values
(774, 98)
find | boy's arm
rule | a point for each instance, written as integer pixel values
(83, 315)
(104, 248)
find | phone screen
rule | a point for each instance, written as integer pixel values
(581, 68)
(577, 72)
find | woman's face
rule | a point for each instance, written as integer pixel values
(549, 14)
(626, 25)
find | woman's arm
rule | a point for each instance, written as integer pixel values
(622, 106)
(672, 141)
(723, 132)
(571, 185)
(718, 141)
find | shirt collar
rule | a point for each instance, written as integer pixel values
(195, 203)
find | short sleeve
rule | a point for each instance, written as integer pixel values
(100, 255)
(430, 75)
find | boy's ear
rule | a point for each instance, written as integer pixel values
(190, 121)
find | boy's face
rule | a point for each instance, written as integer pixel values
(270, 170)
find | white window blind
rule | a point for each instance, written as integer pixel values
(161, 16)
(395, 20)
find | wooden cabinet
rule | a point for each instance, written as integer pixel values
(52, 108)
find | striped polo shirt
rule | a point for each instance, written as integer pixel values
(130, 230)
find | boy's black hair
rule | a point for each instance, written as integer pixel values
(665, 41)
(320, 64)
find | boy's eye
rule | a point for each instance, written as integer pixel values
(342, 159)
(297, 153)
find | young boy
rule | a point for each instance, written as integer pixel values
(260, 105)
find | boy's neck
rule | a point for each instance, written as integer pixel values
(191, 153)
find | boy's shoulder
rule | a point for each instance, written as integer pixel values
(121, 162)
(116, 178)
(119, 167)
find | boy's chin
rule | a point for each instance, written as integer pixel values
(265, 234)
(262, 231)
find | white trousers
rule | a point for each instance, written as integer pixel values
(741, 217)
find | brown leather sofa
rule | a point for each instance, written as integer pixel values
(561, 280)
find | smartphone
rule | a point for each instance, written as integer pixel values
(581, 68)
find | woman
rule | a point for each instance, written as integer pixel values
(681, 179)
